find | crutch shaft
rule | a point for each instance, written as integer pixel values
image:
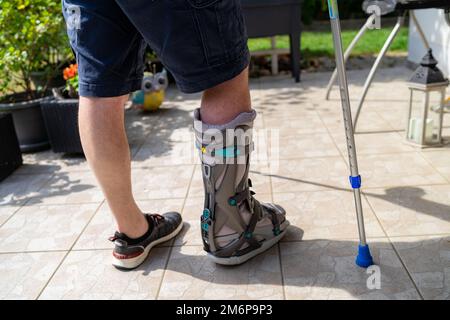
(364, 258)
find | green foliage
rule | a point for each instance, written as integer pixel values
(317, 44)
(32, 39)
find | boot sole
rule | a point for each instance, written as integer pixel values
(237, 260)
(133, 263)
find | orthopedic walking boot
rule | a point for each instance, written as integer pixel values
(235, 226)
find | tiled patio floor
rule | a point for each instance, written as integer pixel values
(54, 223)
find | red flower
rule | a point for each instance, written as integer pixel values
(70, 72)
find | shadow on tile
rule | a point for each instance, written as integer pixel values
(310, 269)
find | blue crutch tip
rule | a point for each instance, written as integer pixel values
(364, 258)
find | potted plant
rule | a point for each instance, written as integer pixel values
(10, 155)
(33, 46)
(61, 115)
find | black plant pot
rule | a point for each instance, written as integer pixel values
(10, 155)
(28, 122)
(61, 121)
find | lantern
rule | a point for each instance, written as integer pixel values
(424, 124)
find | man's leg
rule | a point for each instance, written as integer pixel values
(105, 145)
(224, 102)
(235, 226)
(109, 53)
(102, 131)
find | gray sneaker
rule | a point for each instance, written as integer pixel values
(128, 254)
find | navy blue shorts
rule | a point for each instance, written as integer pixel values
(201, 42)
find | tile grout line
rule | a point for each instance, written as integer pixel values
(93, 202)
(69, 251)
(283, 290)
(331, 137)
(14, 213)
(138, 149)
(27, 200)
(435, 169)
(171, 247)
(406, 269)
(393, 247)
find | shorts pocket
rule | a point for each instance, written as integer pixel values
(221, 29)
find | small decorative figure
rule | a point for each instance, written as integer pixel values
(152, 93)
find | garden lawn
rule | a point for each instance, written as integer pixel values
(316, 44)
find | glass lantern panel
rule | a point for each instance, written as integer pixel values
(425, 105)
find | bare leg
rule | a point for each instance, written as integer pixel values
(105, 145)
(225, 101)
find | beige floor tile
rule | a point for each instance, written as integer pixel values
(323, 269)
(310, 175)
(305, 146)
(88, 275)
(325, 215)
(103, 226)
(193, 208)
(190, 275)
(17, 189)
(400, 169)
(161, 182)
(140, 124)
(374, 143)
(70, 188)
(291, 109)
(43, 228)
(167, 154)
(190, 234)
(301, 124)
(6, 212)
(177, 149)
(396, 118)
(410, 211)
(24, 275)
(369, 121)
(428, 261)
(439, 159)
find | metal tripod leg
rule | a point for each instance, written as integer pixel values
(400, 22)
(387, 44)
(364, 258)
(349, 50)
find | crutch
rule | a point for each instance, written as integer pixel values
(364, 258)
(349, 50)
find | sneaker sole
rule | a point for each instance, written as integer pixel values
(133, 263)
(234, 261)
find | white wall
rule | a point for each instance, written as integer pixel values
(437, 32)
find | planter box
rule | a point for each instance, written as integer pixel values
(10, 155)
(28, 123)
(268, 18)
(61, 121)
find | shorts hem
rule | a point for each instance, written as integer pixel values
(109, 90)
